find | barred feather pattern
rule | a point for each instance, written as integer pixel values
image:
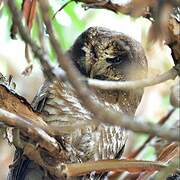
(98, 53)
(87, 142)
(103, 54)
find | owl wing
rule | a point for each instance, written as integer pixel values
(59, 104)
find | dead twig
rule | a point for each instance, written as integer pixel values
(78, 169)
(62, 7)
(111, 165)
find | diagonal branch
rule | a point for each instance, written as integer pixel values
(77, 169)
(111, 165)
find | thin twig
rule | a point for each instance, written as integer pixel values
(111, 165)
(77, 169)
(111, 85)
(126, 85)
(62, 7)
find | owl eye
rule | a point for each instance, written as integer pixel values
(115, 60)
(100, 77)
(120, 58)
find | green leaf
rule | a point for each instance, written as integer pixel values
(78, 23)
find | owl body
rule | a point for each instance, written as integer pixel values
(101, 54)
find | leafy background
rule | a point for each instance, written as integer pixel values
(68, 24)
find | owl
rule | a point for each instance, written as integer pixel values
(97, 53)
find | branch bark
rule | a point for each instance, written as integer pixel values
(133, 7)
(77, 169)
(110, 85)
(111, 165)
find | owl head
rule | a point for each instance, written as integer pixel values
(100, 53)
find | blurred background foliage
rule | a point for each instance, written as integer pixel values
(68, 24)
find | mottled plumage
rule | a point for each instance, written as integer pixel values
(101, 54)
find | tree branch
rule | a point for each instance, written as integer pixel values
(134, 8)
(77, 169)
(111, 85)
(111, 165)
